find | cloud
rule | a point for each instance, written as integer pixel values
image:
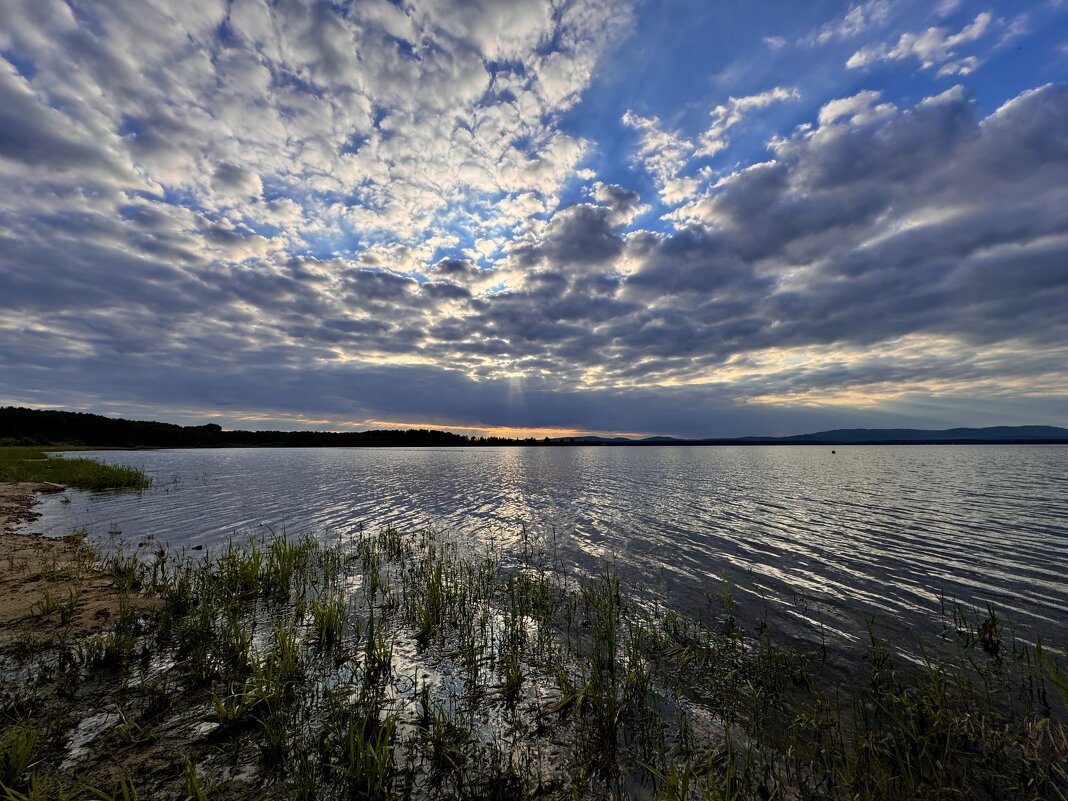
(34, 135)
(860, 17)
(580, 237)
(625, 204)
(230, 179)
(935, 47)
(497, 31)
(663, 154)
(883, 251)
(384, 116)
(666, 155)
(859, 108)
(947, 7)
(882, 225)
(734, 111)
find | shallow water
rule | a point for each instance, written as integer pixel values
(828, 539)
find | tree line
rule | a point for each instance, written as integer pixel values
(20, 426)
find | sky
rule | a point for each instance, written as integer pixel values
(537, 217)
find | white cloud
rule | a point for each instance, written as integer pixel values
(934, 47)
(947, 7)
(859, 108)
(497, 31)
(1018, 26)
(734, 111)
(960, 66)
(391, 115)
(666, 154)
(663, 154)
(860, 17)
(281, 213)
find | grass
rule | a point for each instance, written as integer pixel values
(18, 748)
(409, 664)
(30, 464)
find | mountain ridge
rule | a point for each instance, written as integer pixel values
(959, 434)
(859, 436)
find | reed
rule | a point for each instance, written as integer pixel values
(18, 750)
(389, 664)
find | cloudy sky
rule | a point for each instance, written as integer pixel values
(537, 216)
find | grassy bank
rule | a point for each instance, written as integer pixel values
(30, 464)
(411, 665)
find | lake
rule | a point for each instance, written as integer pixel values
(827, 540)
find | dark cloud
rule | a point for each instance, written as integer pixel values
(443, 290)
(622, 202)
(861, 232)
(693, 262)
(365, 284)
(581, 237)
(455, 267)
(231, 178)
(40, 137)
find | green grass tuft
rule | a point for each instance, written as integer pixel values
(29, 464)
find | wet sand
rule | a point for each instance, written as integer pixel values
(49, 587)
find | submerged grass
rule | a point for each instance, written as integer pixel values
(30, 464)
(390, 664)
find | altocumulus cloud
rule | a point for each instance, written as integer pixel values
(354, 215)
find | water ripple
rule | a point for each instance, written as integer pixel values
(885, 531)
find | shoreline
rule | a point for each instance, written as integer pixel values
(51, 588)
(17, 502)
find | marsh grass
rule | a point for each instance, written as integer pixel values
(18, 749)
(390, 664)
(31, 464)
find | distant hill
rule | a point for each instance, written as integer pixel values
(855, 436)
(592, 439)
(917, 435)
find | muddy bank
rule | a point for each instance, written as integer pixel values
(16, 504)
(58, 599)
(49, 587)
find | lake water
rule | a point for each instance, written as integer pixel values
(825, 539)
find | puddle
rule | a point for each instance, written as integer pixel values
(90, 727)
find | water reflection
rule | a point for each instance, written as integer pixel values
(871, 530)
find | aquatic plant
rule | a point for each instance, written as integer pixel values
(18, 750)
(389, 664)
